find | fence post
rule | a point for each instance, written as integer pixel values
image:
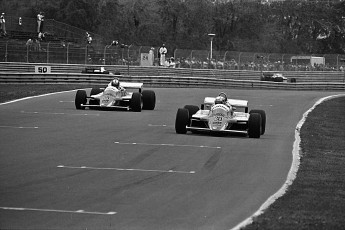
(239, 61)
(48, 52)
(6, 52)
(224, 59)
(105, 48)
(191, 59)
(27, 54)
(86, 49)
(67, 52)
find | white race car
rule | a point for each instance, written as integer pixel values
(114, 98)
(231, 116)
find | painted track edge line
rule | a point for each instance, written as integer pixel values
(31, 97)
(293, 169)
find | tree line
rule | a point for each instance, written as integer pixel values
(290, 26)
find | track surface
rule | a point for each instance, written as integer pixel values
(62, 168)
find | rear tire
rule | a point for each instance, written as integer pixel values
(136, 102)
(263, 119)
(254, 125)
(149, 99)
(80, 99)
(182, 118)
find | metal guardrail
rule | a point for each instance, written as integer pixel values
(300, 76)
(163, 81)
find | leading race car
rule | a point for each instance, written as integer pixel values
(220, 114)
(117, 96)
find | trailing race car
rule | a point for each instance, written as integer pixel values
(220, 114)
(276, 77)
(117, 97)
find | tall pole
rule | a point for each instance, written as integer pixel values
(211, 38)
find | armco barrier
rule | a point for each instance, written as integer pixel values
(300, 76)
(163, 81)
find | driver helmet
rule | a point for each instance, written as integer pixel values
(115, 83)
(219, 100)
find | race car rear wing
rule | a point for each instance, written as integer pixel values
(132, 85)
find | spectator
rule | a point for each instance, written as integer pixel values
(172, 63)
(3, 24)
(29, 43)
(40, 20)
(41, 36)
(88, 38)
(162, 51)
(114, 43)
(151, 56)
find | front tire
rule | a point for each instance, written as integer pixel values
(80, 99)
(182, 118)
(263, 119)
(149, 99)
(136, 102)
(254, 125)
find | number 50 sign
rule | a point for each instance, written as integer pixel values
(42, 69)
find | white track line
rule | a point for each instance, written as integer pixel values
(18, 127)
(123, 169)
(151, 125)
(171, 145)
(55, 210)
(26, 98)
(71, 114)
(293, 169)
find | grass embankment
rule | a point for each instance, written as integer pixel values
(316, 199)
(11, 92)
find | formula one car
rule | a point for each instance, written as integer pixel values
(220, 114)
(275, 77)
(114, 98)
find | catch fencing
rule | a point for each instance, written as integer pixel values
(97, 54)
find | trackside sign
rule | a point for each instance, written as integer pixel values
(42, 69)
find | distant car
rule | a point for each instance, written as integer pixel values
(231, 116)
(95, 70)
(114, 98)
(276, 77)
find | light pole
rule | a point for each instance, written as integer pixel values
(211, 38)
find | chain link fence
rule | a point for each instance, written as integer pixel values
(75, 53)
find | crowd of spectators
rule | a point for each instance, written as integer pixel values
(254, 66)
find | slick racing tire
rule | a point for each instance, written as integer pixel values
(254, 125)
(192, 109)
(263, 119)
(80, 99)
(149, 99)
(136, 103)
(182, 118)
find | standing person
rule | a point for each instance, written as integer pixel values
(40, 20)
(88, 38)
(3, 24)
(162, 51)
(151, 56)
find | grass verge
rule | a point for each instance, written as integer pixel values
(316, 199)
(11, 91)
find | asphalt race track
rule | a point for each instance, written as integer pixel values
(63, 168)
